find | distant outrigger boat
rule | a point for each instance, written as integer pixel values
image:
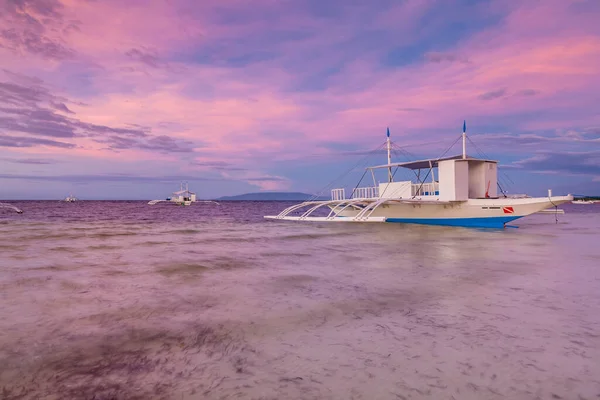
(70, 199)
(584, 201)
(465, 195)
(183, 197)
(11, 207)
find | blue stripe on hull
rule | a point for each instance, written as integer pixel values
(485, 222)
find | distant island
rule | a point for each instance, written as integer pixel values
(587, 198)
(272, 196)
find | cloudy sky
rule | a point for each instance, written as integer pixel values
(125, 98)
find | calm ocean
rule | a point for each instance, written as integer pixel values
(122, 300)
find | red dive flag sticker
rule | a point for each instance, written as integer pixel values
(508, 210)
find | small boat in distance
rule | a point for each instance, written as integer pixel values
(11, 207)
(464, 194)
(70, 199)
(581, 201)
(183, 197)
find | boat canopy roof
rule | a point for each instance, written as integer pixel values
(184, 192)
(426, 164)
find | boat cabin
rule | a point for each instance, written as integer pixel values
(183, 196)
(458, 178)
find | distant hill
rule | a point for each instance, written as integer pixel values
(272, 196)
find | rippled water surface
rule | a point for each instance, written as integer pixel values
(122, 300)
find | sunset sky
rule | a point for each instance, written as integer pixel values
(111, 99)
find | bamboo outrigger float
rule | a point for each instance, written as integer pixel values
(464, 194)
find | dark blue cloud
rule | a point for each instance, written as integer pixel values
(129, 178)
(25, 141)
(440, 57)
(571, 163)
(492, 95)
(442, 28)
(161, 144)
(61, 107)
(218, 165)
(527, 92)
(31, 161)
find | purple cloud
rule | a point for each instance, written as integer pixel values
(61, 107)
(21, 111)
(145, 56)
(492, 95)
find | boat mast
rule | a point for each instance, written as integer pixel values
(389, 154)
(464, 140)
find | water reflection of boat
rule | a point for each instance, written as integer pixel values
(183, 197)
(464, 194)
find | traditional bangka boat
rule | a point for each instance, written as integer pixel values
(183, 197)
(11, 207)
(464, 194)
(70, 199)
(581, 201)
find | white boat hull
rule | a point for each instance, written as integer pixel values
(483, 213)
(473, 212)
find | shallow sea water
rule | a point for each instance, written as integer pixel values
(121, 300)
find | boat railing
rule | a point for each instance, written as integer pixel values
(338, 194)
(372, 192)
(365, 192)
(357, 193)
(426, 189)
